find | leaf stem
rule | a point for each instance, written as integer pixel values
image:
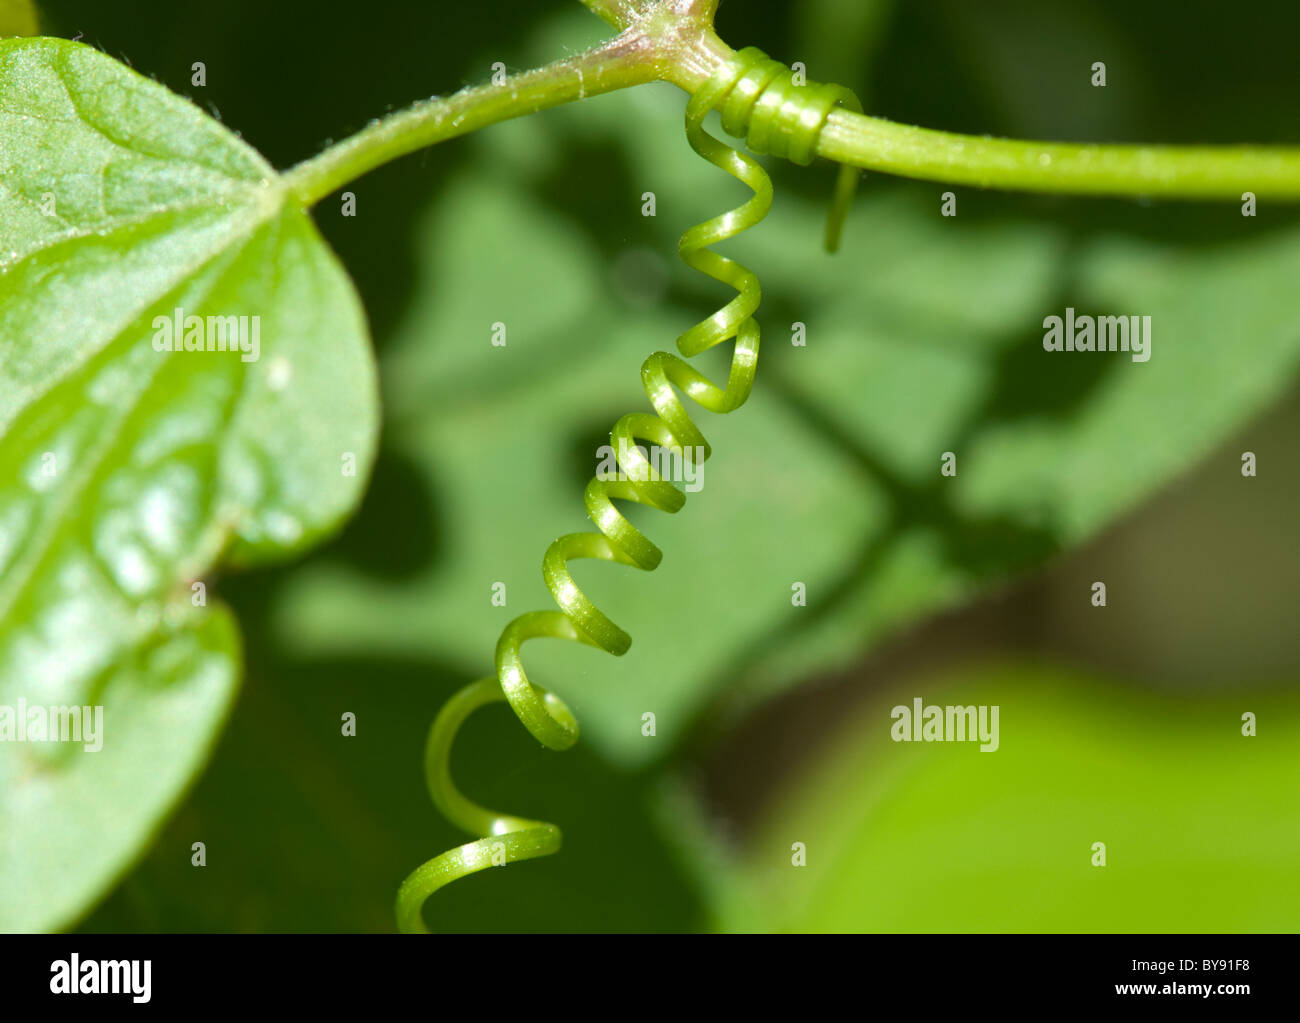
(619, 13)
(625, 60)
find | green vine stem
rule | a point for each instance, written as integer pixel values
(674, 40)
(1176, 172)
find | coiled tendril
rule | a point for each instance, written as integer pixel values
(760, 100)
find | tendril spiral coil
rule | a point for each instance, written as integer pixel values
(760, 100)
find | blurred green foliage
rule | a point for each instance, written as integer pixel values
(923, 336)
(17, 18)
(1198, 820)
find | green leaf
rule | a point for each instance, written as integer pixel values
(75, 821)
(1198, 819)
(129, 473)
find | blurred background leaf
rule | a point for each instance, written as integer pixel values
(923, 336)
(18, 18)
(1198, 820)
